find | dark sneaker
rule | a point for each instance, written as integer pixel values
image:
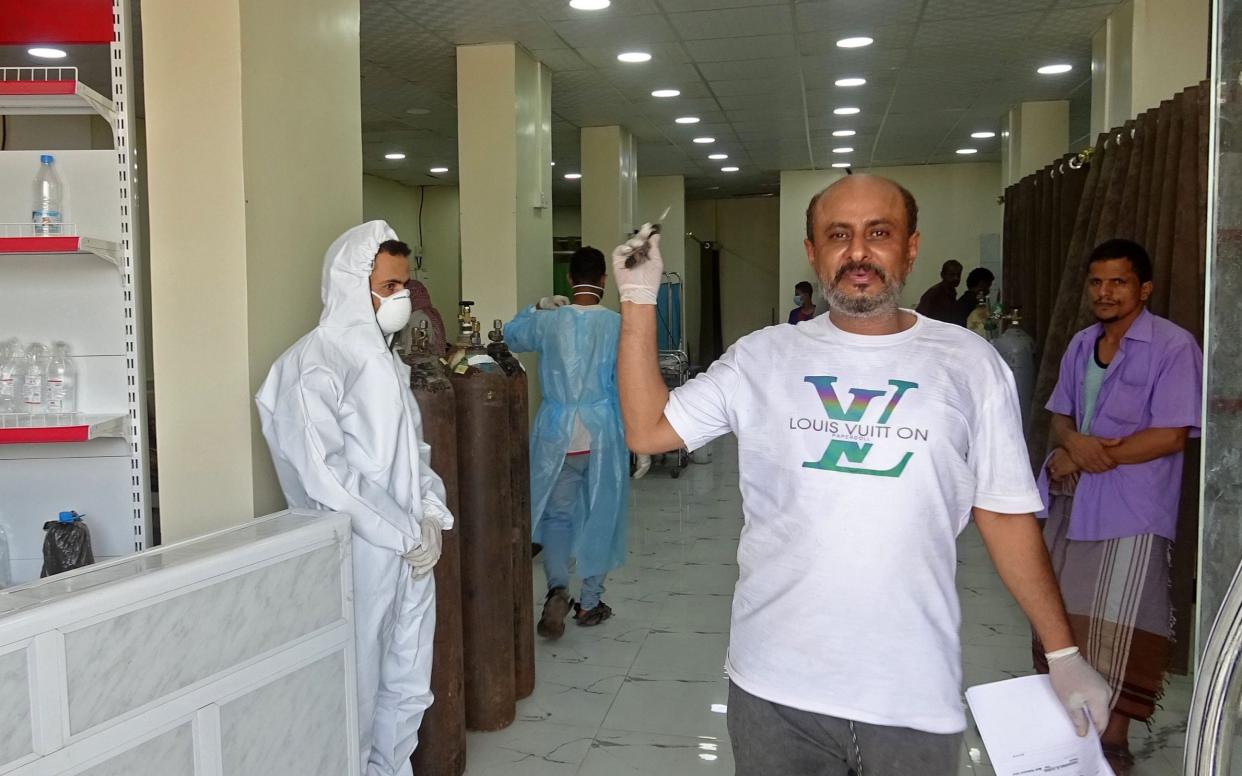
(588, 617)
(555, 608)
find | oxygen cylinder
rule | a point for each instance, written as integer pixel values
(442, 737)
(1017, 349)
(519, 483)
(481, 393)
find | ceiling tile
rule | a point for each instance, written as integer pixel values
(617, 34)
(774, 69)
(733, 23)
(560, 10)
(974, 11)
(847, 18)
(754, 47)
(1015, 27)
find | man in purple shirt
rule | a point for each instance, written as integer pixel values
(1127, 398)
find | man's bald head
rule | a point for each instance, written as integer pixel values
(861, 182)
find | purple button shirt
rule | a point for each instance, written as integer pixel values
(1154, 381)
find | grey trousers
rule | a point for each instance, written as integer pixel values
(774, 740)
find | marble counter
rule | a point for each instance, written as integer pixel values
(227, 655)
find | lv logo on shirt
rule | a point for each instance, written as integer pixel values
(845, 424)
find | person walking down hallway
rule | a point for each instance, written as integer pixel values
(978, 283)
(579, 463)
(864, 451)
(1127, 398)
(938, 302)
(804, 298)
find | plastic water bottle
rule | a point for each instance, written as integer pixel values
(11, 361)
(61, 394)
(6, 565)
(33, 374)
(47, 214)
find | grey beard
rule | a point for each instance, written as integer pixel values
(886, 302)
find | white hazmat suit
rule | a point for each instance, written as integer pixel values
(345, 434)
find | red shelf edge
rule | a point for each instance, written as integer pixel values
(38, 244)
(38, 436)
(34, 88)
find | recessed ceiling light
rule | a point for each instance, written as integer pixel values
(843, 150)
(982, 135)
(438, 170)
(840, 165)
(553, 164)
(47, 53)
(395, 156)
(687, 120)
(666, 93)
(967, 151)
(572, 176)
(1055, 69)
(843, 133)
(847, 111)
(704, 140)
(717, 157)
(634, 56)
(417, 111)
(590, 5)
(851, 81)
(728, 169)
(858, 42)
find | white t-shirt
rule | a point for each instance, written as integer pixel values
(860, 458)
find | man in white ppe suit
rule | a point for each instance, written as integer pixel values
(345, 434)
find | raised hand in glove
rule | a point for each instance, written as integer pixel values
(640, 283)
(422, 559)
(552, 302)
(1078, 685)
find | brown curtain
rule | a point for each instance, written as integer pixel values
(1146, 181)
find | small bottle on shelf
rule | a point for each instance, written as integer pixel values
(11, 362)
(61, 394)
(47, 213)
(32, 377)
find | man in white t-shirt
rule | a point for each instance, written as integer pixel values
(864, 449)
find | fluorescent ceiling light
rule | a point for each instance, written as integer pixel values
(982, 135)
(843, 150)
(590, 5)
(1055, 69)
(687, 120)
(717, 157)
(847, 111)
(840, 164)
(728, 169)
(572, 176)
(843, 133)
(666, 93)
(967, 151)
(851, 81)
(704, 140)
(395, 156)
(634, 56)
(47, 53)
(438, 170)
(858, 42)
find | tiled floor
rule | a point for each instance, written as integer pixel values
(645, 693)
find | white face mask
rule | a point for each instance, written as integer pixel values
(587, 288)
(392, 318)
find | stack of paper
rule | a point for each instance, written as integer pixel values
(1026, 731)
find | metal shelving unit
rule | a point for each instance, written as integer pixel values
(95, 462)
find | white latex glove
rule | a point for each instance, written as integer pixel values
(552, 302)
(1079, 685)
(639, 284)
(422, 559)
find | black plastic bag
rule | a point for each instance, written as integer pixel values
(66, 544)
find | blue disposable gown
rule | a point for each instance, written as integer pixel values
(577, 350)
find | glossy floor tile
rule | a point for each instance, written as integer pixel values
(645, 693)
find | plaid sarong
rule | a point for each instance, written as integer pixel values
(1117, 595)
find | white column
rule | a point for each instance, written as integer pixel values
(1035, 134)
(254, 167)
(609, 190)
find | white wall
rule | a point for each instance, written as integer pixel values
(958, 217)
(441, 237)
(656, 192)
